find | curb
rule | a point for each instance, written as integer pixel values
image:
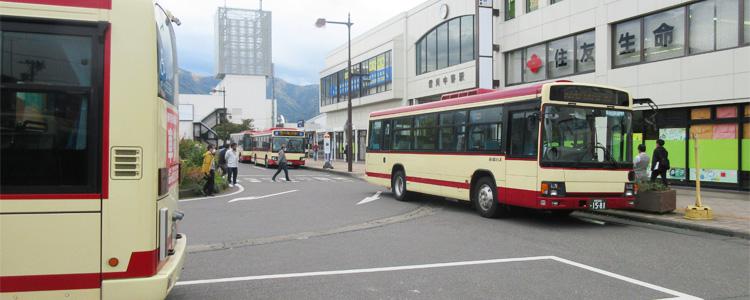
(337, 172)
(668, 223)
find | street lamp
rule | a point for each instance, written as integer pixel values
(321, 22)
(223, 92)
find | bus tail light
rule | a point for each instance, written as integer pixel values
(553, 189)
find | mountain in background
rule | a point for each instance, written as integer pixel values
(296, 102)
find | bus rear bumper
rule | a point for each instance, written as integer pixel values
(583, 203)
(154, 287)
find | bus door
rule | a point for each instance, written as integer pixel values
(521, 152)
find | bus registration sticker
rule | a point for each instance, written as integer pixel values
(598, 204)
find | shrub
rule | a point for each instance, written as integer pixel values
(645, 186)
(191, 176)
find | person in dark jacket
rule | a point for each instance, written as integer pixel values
(282, 164)
(222, 159)
(660, 162)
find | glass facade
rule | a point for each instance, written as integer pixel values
(570, 55)
(372, 76)
(700, 27)
(448, 44)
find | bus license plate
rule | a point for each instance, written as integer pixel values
(598, 204)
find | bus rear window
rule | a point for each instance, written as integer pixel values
(588, 94)
(49, 108)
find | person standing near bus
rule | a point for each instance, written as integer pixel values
(640, 164)
(315, 151)
(222, 159)
(660, 162)
(282, 164)
(208, 170)
(233, 161)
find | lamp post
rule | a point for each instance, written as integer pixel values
(223, 92)
(321, 22)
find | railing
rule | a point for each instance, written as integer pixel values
(216, 117)
(201, 132)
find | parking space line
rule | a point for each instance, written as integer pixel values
(678, 295)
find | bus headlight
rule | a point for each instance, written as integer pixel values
(274, 158)
(554, 189)
(631, 189)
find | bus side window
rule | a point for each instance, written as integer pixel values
(376, 135)
(524, 128)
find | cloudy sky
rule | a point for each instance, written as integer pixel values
(299, 48)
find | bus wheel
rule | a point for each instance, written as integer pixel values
(484, 198)
(398, 185)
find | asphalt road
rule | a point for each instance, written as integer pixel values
(310, 239)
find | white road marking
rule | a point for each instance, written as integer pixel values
(253, 180)
(260, 197)
(678, 295)
(259, 168)
(323, 178)
(370, 199)
(240, 190)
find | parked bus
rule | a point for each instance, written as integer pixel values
(89, 162)
(267, 143)
(559, 146)
(243, 144)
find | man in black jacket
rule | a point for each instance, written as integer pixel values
(660, 162)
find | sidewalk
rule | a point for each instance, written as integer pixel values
(339, 167)
(731, 211)
(731, 208)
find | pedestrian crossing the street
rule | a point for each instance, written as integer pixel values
(295, 179)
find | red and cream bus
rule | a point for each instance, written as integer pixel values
(559, 146)
(267, 143)
(89, 161)
(243, 144)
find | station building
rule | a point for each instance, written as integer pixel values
(690, 57)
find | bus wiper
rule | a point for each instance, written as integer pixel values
(607, 155)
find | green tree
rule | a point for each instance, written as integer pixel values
(225, 129)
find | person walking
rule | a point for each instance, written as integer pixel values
(315, 151)
(208, 170)
(660, 162)
(282, 164)
(222, 159)
(233, 162)
(640, 164)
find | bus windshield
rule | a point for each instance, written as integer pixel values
(586, 137)
(293, 145)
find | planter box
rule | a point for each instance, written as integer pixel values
(656, 201)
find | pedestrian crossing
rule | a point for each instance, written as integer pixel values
(295, 179)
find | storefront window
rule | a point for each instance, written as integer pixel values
(586, 52)
(726, 112)
(534, 63)
(717, 152)
(664, 35)
(627, 44)
(560, 57)
(700, 113)
(514, 66)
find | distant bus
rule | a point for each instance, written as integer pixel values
(89, 150)
(559, 146)
(266, 144)
(243, 144)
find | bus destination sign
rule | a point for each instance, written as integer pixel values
(289, 133)
(588, 94)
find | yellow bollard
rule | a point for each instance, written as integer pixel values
(698, 211)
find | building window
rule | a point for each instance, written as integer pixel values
(664, 35)
(746, 23)
(534, 57)
(627, 47)
(371, 76)
(532, 5)
(510, 9)
(585, 52)
(562, 57)
(713, 25)
(448, 44)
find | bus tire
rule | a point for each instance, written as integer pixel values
(484, 198)
(398, 186)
